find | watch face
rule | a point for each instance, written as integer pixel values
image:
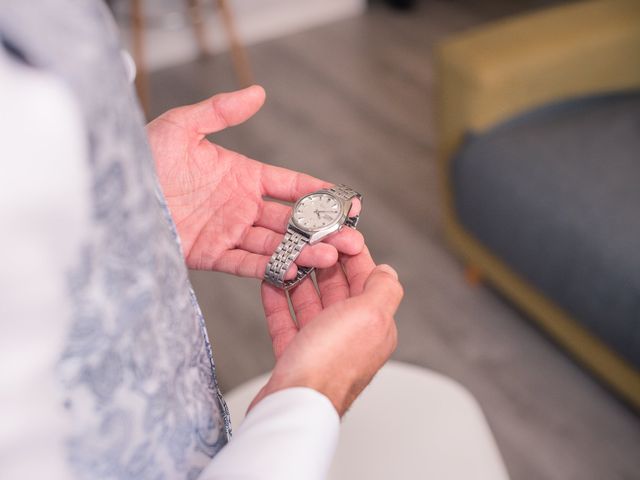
(317, 211)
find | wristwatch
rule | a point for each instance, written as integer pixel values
(314, 217)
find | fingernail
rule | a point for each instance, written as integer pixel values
(388, 269)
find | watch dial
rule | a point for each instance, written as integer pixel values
(317, 211)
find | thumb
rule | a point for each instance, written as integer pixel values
(220, 111)
(383, 289)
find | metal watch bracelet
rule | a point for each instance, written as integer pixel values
(293, 243)
(283, 257)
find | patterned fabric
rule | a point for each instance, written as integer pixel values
(137, 371)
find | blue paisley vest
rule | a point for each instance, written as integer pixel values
(139, 383)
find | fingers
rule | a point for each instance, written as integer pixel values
(258, 244)
(246, 264)
(264, 242)
(306, 302)
(220, 111)
(332, 284)
(383, 289)
(356, 207)
(288, 185)
(280, 324)
(273, 216)
(347, 241)
(357, 269)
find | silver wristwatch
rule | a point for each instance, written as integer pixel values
(314, 218)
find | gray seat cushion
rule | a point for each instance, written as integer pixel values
(555, 193)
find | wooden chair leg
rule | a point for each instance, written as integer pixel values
(197, 22)
(473, 275)
(142, 78)
(238, 52)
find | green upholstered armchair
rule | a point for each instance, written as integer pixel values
(527, 173)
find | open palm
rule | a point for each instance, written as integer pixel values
(217, 197)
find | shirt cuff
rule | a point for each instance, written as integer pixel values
(290, 434)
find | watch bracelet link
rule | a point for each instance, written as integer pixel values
(283, 257)
(345, 192)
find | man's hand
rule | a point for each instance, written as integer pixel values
(343, 335)
(216, 196)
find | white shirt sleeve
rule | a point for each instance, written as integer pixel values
(290, 434)
(43, 217)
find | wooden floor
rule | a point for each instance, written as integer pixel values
(352, 102)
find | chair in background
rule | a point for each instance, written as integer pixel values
(408, 423)
(238, 52)
(539, 147)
